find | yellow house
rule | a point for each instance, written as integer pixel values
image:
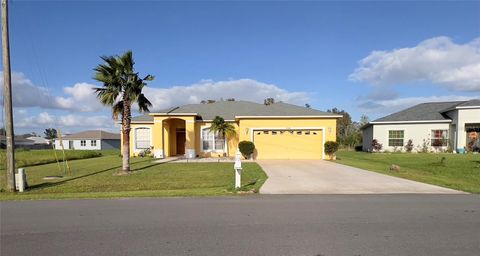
(279, 130)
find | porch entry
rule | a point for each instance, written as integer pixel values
(180, 141)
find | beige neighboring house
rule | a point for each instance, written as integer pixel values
(89, 140)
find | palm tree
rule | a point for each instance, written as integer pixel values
(122, 87)
(223, 128)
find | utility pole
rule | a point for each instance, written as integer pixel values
(7, 98)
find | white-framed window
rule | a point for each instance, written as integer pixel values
(211, 141)
(93, 143)
(83, 143)
(395, 138)
(439, 138)
(142, 138)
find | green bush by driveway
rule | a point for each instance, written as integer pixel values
(94, 178)
(461, 172)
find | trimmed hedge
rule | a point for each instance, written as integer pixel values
(246, 148)
(331, 147)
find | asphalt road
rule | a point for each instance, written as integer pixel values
(254, 225)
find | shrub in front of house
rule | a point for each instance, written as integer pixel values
(376, 145)
(409, 146)
(330, 148)
(145, 153)
(246, 148)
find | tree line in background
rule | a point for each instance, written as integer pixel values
(50, 133)
(349, 134)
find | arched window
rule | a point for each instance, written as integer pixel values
(142, 138)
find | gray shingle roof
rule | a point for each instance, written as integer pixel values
(427, 111)
(470, 103)
(3, 138)
(144, 118)
(93, 134)
(229, 109)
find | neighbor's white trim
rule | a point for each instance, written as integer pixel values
(467, 107)
(173, 114)
(411, 122)
(252, 130)
(261, 117)
(213, 150)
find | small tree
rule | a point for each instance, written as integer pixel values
(246, 148)
(269, 101)
(223, 128)
(376, 145)
(409, 146)
(330, 148)
(50, 133)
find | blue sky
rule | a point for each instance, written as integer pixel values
(299, 52)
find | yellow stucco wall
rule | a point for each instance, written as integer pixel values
(164, 136)
(133, 151)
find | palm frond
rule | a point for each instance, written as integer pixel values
(220, 126)
(143, 103)
(117, 109)
(120, 81)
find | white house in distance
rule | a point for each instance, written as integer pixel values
(89, 140)
(438, 125)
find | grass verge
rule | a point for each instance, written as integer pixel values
(94, 178)
(461, 172)
(24, 158)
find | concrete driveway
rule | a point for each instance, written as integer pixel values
(323, 177)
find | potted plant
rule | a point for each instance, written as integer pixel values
(330, 148)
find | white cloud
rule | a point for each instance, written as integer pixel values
(70, 121)
(80, 97)
(242, 89)
(437, 60)
(26, 94)
(390, 106)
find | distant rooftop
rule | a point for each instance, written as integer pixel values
(93, 134)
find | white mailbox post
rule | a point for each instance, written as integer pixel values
(20, 179)
(238, 170)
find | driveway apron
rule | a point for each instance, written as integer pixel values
(324, 177)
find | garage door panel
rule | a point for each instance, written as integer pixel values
(288, 144)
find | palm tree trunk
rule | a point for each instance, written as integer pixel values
(226, 143)
(126, 119)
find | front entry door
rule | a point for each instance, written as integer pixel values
(180, 143)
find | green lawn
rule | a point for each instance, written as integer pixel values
(461, 172)
(93, 178)
(36, 157)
